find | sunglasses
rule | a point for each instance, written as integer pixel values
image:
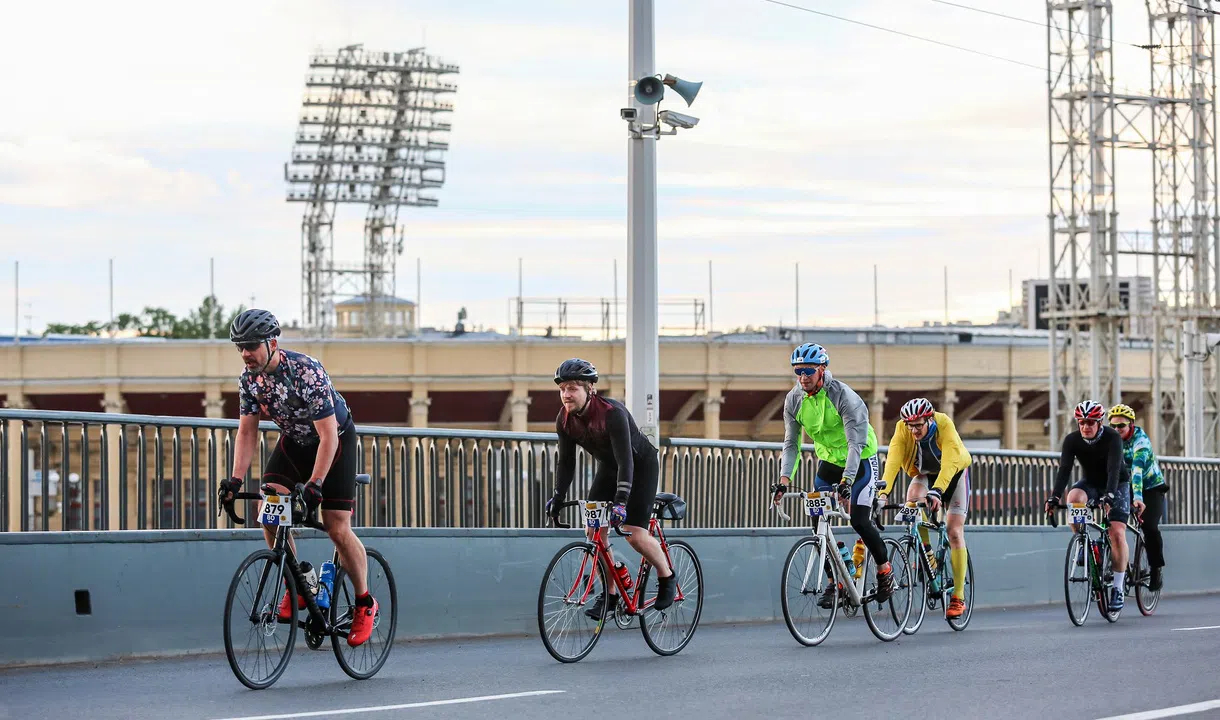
(249, 346)
(803, 371)
(1120, 425)
(917, 425)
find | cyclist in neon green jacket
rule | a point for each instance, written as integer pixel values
(836, 420)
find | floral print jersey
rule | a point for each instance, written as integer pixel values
(293, 396)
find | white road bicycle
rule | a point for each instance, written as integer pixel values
(815, 565)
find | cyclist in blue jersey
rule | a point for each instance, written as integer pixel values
(317, 447)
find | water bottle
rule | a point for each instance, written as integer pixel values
(847, 559)
(326, 584)
(311, 578)
(857, 556)
(623, 574)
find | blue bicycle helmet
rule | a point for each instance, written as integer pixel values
(810, 353)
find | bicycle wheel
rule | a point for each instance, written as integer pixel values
(572, 581)
(800, 588)
(363, 662)
(1106, 578)
(1078, 578)
(1145, 598)
(668, 631)
(919, 585)
(257, 644)
(961, 622)
(887, 619)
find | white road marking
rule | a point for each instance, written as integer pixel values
(1168, 712)
(1203, 627)
(404, 706)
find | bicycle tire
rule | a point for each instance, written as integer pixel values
(919, 585)
(653, 623)
(340, 617)
(961, 622)
(1079, 543)
(1145, 598)
(268, 624)
(815, 546)
(875, 613)
(573, 610)
(1106, 570)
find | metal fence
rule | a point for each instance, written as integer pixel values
(96, 471)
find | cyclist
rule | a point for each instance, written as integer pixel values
(1099, 450)
(628, 471)
(317, 447)
(1148, 486)
(836, 420)
(926, 445)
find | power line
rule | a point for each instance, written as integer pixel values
(1037, 23)
(908, 35)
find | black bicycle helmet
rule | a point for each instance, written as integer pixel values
(254, 325)
(576, 369)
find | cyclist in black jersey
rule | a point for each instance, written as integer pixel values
(317, 447)
(1099, 450)
(628, 470)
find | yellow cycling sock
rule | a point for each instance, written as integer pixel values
(958, 555)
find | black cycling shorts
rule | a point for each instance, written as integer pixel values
(291, 463)
(1120, 511)
(644, 482)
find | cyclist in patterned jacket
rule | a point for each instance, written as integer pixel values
(1148, 486)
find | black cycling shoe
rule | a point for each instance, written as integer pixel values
(667, 590)
(1154, 582)
(885, 586)
(827, 601)
(594, 611)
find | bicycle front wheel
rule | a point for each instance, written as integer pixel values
(919, 586)
(1145, 598)
(1106, 580)
(363, 661)
(569, 589)
(1077, 578)
(959, 623)
(668, 631)
(886, 618)
(257, 644)
(801, 587)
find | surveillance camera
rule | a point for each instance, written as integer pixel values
(677, 119)
(627, 114)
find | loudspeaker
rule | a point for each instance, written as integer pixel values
(649, 90)
(686, 89)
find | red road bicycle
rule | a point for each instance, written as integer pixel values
(579, 572)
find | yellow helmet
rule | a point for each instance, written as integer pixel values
(1121, 410)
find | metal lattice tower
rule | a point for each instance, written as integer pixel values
(372, 132)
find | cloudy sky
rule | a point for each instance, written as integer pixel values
(155, 133)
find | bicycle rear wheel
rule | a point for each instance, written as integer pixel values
(961, 622)
(1078, 578)
(572, 581)
(887, 618)
(801, 587)
(363, 661)
(919, 585)
(257, 644)
(1145, 598)
(668, 631)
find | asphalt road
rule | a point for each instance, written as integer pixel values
(1020, 663)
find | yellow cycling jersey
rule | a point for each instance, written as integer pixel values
(903, 451)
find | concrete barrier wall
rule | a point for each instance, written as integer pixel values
(163, 592)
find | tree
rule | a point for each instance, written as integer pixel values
(209, 320)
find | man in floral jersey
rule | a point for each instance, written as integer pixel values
(317, 447)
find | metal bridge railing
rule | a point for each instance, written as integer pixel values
(97, 471)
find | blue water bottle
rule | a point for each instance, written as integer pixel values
(846, 555)
(326, 584)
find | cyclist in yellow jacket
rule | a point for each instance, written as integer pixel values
(926, 445)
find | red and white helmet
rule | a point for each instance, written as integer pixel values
(916, 409)
(1090, 410)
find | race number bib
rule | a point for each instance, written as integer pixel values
(1079, 513)
(907, 514)
(596, 514)
(816, 503)
(276, 512)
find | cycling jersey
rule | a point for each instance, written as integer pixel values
(836, 420)
(293, 396)
(606, 430)
(1101, 461)
(1141, 463)
(940, 454)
